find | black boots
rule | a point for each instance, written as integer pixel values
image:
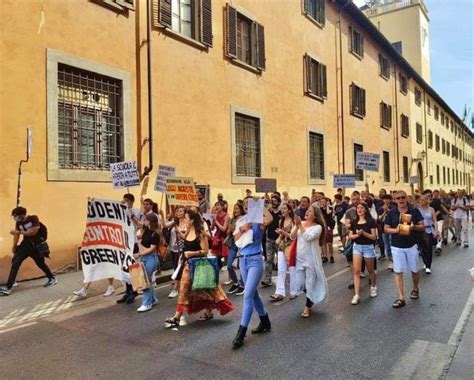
(239, 338)
(263, 326)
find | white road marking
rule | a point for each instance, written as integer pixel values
(18, 327)
(457, 332)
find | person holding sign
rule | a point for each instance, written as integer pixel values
(401, 223)
(189, 301)
(310, 277)
(251, 268)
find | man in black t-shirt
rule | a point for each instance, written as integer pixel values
(30, 227)
(404, 245)
(340, 208)
(271, 237)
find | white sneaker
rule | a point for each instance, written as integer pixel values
(355, 300)
(428, 270)
(144, 308)
(80, 293)
(173, 294)
(110, 290)
(183, 321)
(373, 291)
(15, 284)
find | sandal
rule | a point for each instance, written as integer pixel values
(306, 314)
(206, 317)
(276, 298)
(292, 297)
(172, 323)
(398, 304)
(415, 294)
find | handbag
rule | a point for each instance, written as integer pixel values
(138, 277)
(204, 275)
(292, 254)
(42, 248)
(348, 249)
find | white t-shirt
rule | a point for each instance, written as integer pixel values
(460, 213)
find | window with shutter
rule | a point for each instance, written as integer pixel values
(385, 115)
(417, 97)
(436, 112)
(357, 100)
(315, 10)
(419, 133)
(437, 143)
(386, 166)
(206, 22)
(384, 67)
(356, 42)
(245, 40)
(403, 83)
(316, 78)
(247, 146)
(404, 121)
(316, 156)
(405, 170)
(359, 173)
(118, 5)
(430, 139)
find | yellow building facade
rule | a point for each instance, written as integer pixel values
(239, 90)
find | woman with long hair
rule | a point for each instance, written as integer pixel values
(310, 275)
(284, 242)
(147, 254)
(176, 243)
(189, 301)
(220, 224)
(363, 232)
(251, 268)
(237, 285)
(429, 236)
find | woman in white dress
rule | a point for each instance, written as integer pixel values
(310, 275)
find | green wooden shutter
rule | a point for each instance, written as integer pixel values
(206, 22)
(260, 46)
(164, 13)
(231, 32)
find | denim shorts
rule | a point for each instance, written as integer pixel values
(367, 251)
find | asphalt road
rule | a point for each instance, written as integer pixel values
(371, 340)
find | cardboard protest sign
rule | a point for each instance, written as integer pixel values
(344, 180)
(163, 173)
(255, 211)
(107, 246)
(125, 174)
(181, 191)
(368, 161)
(265, 185)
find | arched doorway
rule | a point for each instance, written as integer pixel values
(419, 173)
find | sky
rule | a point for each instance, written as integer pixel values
(452, 51)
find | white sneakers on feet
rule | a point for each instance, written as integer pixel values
(173, 294)
(428, 270)
(373, 291)
(110, 291)
(144, 308)
(80, 293)
(355, 300)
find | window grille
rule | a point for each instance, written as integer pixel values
(90, 122)
(247, 143)
(316, 155)
(386, 166)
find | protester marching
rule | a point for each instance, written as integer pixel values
(252, 240)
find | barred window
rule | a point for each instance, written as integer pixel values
(386, 166)
(430, 139)
(405, 170)
(315, 9)
(403, 84)
(385, 115)
(316, 79)
(437, 143)
(443, 146)
(405, 125)
(356, 42)
(384, 67)
(417, 96)
(357, 100)
(247, 146)
(90, 123)
(316, 156)
(359, 173)
(419, 133)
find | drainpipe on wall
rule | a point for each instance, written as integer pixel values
(426, 135)
(149, 168)
(397, 141)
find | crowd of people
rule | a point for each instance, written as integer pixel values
(294, 238)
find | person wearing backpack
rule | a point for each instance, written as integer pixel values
(460, 207)
(34, 233)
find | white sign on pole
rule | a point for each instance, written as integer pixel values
(29, 143)
(368, 161)
(255, 211)
(125, 174)
(163, 173)
(344, 180)
(107, 247)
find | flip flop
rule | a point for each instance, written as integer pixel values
(398, 304)
(276, 298)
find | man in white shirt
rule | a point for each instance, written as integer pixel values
(460, 208)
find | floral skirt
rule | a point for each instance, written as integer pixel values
(191, 302)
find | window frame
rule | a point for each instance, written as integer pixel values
(320, 77)
(403, 83)
(405, 126)
(359, 173)
(419, 136)
(406, 170)
(317, 4)
(353, 32)
(386, 166)
(315, 180)
(385, 115)
(430, 139)
(362, 99)
(417, 93)
(384, 67)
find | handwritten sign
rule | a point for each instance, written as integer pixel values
(368, 161)
(163, 173)
(125, 174)
(344, 180)
(181, 191)
(255, 211)
(265, 185)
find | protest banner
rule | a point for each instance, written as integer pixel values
(265, 185)
(125, 174)
(107, 246)
(344, 180)
(368, 161)
(181, 191)
(163, 173)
